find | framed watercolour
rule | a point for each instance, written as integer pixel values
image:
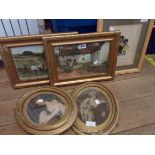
(98, 110)
(135, 35)
(24, 59)
(46, 111)
(81, 58)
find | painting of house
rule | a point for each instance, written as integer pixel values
(82, 59)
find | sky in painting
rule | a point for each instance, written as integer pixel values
(34, 49)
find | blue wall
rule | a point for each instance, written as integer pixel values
(151, 46)
(68, 25)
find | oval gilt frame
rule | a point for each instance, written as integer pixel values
(54, 128)
(110, 122)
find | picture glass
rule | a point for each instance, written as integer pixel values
(30, 62)
(45, 109)
(93, 107)
(133, 34)
(130, 35)
(79, 60)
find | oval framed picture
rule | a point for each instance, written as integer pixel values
(98, 110)
(46, 110)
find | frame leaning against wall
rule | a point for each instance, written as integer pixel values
(136, 68)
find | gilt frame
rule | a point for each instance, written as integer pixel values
(50, 42)
(54, 128)
(18, 41)
(109, 124)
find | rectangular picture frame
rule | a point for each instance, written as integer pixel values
(79, 45)
(139, 46)
(29, 68)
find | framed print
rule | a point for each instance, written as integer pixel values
(98, 110)
(135, 35)
(46, 111)
(24, 59)
(79, 58)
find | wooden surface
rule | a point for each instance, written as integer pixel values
(135, 93)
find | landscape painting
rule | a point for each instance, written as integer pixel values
(77, 60)
(30, 62)
(93, 106)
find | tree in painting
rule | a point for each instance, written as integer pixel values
(30, 62)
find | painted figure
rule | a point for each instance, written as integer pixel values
(54, 108)
(93, 107)
(125, 47)
(87, 106)
(121, 44)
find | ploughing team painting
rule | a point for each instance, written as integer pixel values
(30, 62)
(77, 60)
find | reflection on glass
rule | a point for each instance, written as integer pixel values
(45, 109)
(81, 59)
(30, 62)
(92, 106)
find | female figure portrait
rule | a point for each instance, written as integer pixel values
(93, 106)
(46, 109)
(87, 106)
(123, 46)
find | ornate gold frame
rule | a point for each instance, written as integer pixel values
(7, 42)
(109, 123)
(50, 42)
(100, 24)
(56, 128)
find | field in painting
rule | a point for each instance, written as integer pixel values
(30, 66)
